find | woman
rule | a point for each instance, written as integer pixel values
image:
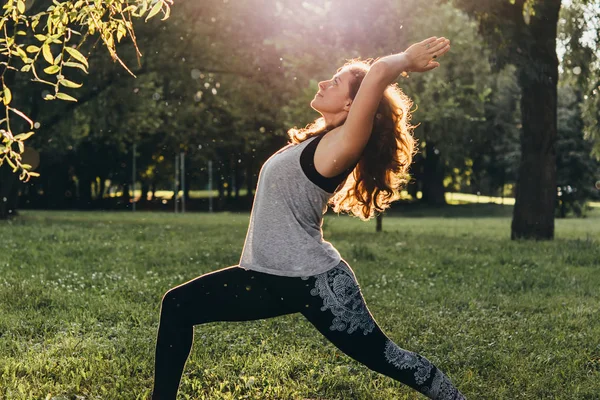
(286, 266)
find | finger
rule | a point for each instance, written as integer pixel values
(429, 41)
(438, 46)
(443, 51)
(431, 66)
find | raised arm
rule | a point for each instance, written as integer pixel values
(355, 132)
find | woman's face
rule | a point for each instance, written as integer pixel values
(333, 96)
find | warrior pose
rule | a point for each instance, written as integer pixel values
(354, 158)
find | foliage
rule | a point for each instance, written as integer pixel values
(57, 49)
(577, 170)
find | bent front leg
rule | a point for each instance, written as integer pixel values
(341, 315)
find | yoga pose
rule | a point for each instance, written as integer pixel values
(355, 157)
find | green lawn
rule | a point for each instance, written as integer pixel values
(80, 296)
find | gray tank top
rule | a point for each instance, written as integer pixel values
(284, 235)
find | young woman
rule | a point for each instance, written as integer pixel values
(355, 158)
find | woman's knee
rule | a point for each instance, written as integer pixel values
(171, 300)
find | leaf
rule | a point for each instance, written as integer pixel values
(77, 55)
(157, 7)
(57, 59)
(25, 68)
(21, 53)
(121, 32)
(75, 65)
(49, 97)
(7, 95)
(26, 166)
(53, 69)
(40, 37)
(34, 174)
(69, 84)
(21, 147)
(21, 6)
(167, 14)
(24, 136)
(64, 96)
(9, 161)
(47, 53)
(32, 49)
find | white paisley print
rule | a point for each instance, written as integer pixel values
(404, 359)
(442, 388)
(341, 294)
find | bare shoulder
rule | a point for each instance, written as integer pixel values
(332, 156)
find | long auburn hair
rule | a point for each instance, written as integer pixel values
(382, 170)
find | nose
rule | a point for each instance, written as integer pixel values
(322, 85)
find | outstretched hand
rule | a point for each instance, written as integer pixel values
(421, 56)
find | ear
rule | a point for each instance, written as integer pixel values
(347, 105)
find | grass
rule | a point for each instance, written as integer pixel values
(80, 296)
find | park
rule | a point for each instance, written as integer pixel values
(149, 144)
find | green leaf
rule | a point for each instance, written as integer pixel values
(9, 161)
(21, 53)
(121, 32)
(167, 14)
(53, 69)
(40, 37)
(24, 136)
(21, 147)
(26, 68)
(69, 84)
(21, 6)
(32, 49)
(157, 7)
(75, 65)
(49, 97)
(47, 53)
(7, 95)
(77, 55)
(64, 96)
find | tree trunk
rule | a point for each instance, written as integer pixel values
(126, 196)
(145, 190)
(229, 179)
(237, 179)
(533, 215)
(101, 188)
(379, 226)
(85, 192)
(153, 189)
(8, 185)
(249, 172)
(433, 177)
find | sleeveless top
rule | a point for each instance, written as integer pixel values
(284, 235)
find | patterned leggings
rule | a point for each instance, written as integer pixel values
(331, 301)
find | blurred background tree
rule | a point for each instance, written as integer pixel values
(223, 81)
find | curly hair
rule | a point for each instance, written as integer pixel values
(382, 170)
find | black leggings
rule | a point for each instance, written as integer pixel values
(331, 301)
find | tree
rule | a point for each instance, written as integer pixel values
(26, 50)
(524, 33)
